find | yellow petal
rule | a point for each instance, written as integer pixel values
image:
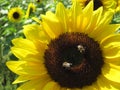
(26, 67)
(68, 88)
(51, 86)
(48, 30)
(111, 46)
(109, 4)
(41, 47)
(24, 43)
(34, 33)
(51, 25)
(28, 48)
(115, 61)
(105, 84)
(95, 19)
(104, 20)
(36, 84)
(111, 72)
(36, 19)
(22, 53)
(24, 78)
(105, 31)
(61, 14)
(75, 16)
(75, 89)
(94, 86)
(62, 88)
(87, 14)
(33, 59)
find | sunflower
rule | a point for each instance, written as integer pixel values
(15, 14)
(107, 4)
(31, 8)
(72, 49)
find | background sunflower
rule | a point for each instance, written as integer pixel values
(15, 14)
(31, 9)
(107, 4)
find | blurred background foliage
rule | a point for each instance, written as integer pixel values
(10, 30)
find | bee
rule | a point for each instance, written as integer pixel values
(81, 48)
(66, 65)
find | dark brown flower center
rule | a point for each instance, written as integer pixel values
(97, 3)
(73, 60)
(16, 15)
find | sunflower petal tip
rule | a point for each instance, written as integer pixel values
(89, 7)
(14, 82)
(91, 4)
(7, 63)
(60, 4)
